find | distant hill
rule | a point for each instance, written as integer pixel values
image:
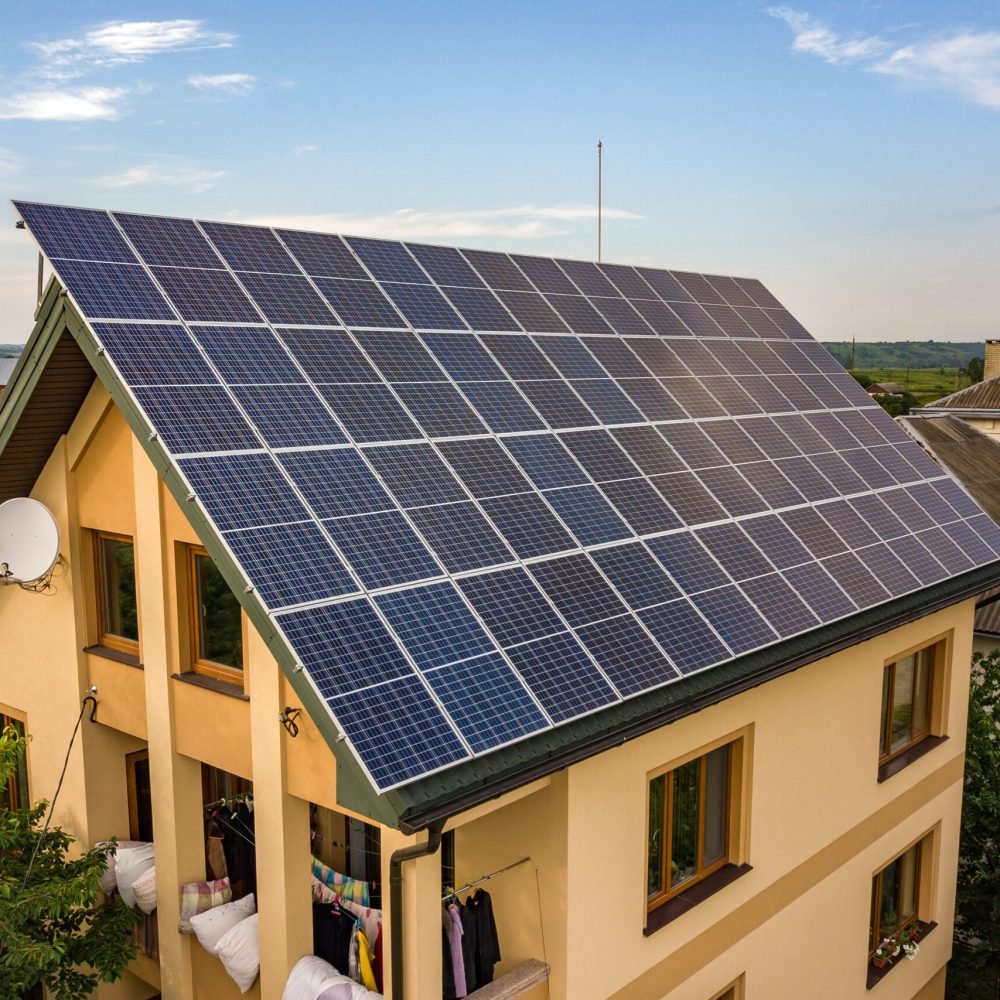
(10, 350)
(903, 353)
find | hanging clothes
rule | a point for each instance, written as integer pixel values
(447, 969)
(333, 932)
(365, 962)
(240, 849)
(470, 947)
(487, 944)
(215, 853)
(457, 958)
(343, 885)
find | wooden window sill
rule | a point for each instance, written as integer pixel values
(907, 757)
(212, 684)
(119, 656)
(684, 901)
(876, 975)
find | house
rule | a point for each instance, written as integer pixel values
(886, 389)
(978, 404)
(972, 457)
(449, 563)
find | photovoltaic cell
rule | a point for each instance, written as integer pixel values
(176, 242)
(445, 265)
(328, 356)
(288, 299)
(588, 515)
(461, 537)
(577, 589)
(247, 355)
(321, 254)
(502, 407)
(527, 525)
(249, 248)
(154, 354)
(382, 549)
(387, 261)
(734, 618)
(113, 291)
(511, 605)
(424, 307)
(415, 474)
(635, 574)
(289, 416)
(196, 418)
(627, 655)
(77, 233)
(205, 296)
(685, 636)
(359, 303)
(779, 604)
(335, 483)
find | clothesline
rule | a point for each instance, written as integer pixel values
(484, 878)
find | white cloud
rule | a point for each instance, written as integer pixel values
(237, 84)
(303, 149)
(117, 42)
(84, 104)
(814, 37)
(967, 64)
(516, 222)
(194, 179)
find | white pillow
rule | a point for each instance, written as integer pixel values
(211, 925)
(239, 950)
(130, 863)
(308, 978)
(144, 891)
(108, 881)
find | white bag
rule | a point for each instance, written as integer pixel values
(239, 950)
(130, 863)
(213, 924)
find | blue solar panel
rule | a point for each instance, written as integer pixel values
(434, 625)
(154, 354)
(399, 731)
(511, 605)
(462, 538)
(628, 655)
(335, 483)
(562, 676)
(196, 418)
(289, 416)
(685, 636)
(488, 702)
(243, 491)
(312, 458)
(113, 291)
(383, 549)
(291, 564)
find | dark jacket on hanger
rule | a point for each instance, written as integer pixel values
(238, 845)
(332, 932)
(487, 945)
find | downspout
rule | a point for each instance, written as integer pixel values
(430, 846)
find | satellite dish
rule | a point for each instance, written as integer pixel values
(29, 540)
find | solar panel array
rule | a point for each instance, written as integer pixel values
(484, 494)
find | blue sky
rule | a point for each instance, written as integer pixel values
(845, 153)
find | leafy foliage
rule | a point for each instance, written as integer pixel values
(978, 901)
(54, 927)
(905, 353)
(974, 369)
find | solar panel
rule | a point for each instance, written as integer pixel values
(372, 426)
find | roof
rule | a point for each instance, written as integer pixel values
(480, 506)
(879, 388)
(969, 455)
(988, 612)
(7, 366)
(981, 396)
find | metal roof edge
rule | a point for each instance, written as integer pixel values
(354, 790)
(956, 411)
(478, 781)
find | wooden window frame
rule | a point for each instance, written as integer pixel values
(922, 848)
(207, 668)
(736, 746)
(940, 648)
(105, 638)
(733, 991)
(15, 792)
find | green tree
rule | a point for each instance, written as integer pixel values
(977, 908)
(974, 369)
(55, 927)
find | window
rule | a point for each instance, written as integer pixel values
(216, 621)
(117, 609)
(140, 796)
(895, 897)
(689, 825)
(14, 794)
(907, 700)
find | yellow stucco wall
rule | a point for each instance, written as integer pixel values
(817, 826)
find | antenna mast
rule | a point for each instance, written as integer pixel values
(599, 148)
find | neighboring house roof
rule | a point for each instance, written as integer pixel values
(886, 388)
(982, 397)
(973, 458)
(970, 457)
(7, 366)
(479, 506)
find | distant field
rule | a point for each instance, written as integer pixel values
(927, 384)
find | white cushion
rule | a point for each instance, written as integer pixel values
(108, 881)
(239, 950)
(130, 863)
(308, 978)
(144, 891)
(211, 925)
